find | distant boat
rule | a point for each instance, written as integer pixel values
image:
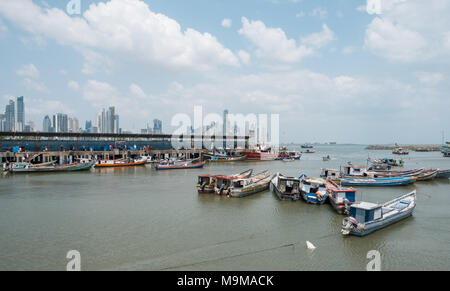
(179, 166)
(28, 167)
(365, 218)
(390, 162)
(400, 151)
(326, 159)
(289, 155)
(248, 186)
(121, 163)
(308, 151)
(313, 190)
(340, 198)
(306, 146)
(206, 183)
(286, 188)
(260, 153)
(396, 181)
(223, 159)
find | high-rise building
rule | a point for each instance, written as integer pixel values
(60, 122)
(9, 117)
(88, 126)
(2, 122)
(116, 124)
(157, 126)
(19, 114)
(225, 120)
(47, 124)
(108, 121)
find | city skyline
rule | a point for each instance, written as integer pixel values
(332, 70)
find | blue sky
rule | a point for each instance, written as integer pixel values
(331, 70)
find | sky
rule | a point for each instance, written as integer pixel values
(336, 70)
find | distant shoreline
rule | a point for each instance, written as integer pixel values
(417, 148)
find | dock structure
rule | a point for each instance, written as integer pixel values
(42, 147)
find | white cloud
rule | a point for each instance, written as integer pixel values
(95, 62)
(226, 23)
(29, 70)
(410, 31)
(124, 26)
(34, 85)
(244, 56)
(428, 78)
(73, 85)
(348, 50)
(272, 43)
(319, 39)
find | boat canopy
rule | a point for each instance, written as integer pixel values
(366, 211)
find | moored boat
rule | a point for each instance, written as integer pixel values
(206, 183)
(340, 198)
(28, 167)
(400, 151)
(121, 163)
(286, 188)
(443, 174)
(427, 175)
(365, 218)
(313, 190)
(390, 162)
(224, 159)
(261, 154)
(394, 181)
(179, 166)
(245, 187)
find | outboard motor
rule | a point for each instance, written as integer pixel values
(221, 189)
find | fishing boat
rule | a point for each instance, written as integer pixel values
(121, 163)
(365, 218)
(260, 153)
(333, 174)
(164, 165)
(223, 159)
(390, 162)
(223, 184)
(206, 183)
(443, 174)
(245, 187)
(306, 146)
(391, 174)
(395, 181)
(428, 175)
(289, 155)
(326, 159)
(400, 151)
(308, 151)
(28, 167)
(340, 197)
(379, 167)
(286, 188)
(313, 190)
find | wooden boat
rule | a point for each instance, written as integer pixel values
(443, 174)
(400, 151)
(391, 174)
(28, 168)
(260, 153)
(427, 175)
(179, 166)
(246, 187)
(340, 197)
(224, 159)
(223, 184)
(121, 163)
(289, 155)
(395, 181)
(313, 190)
(206, 183)
(286, 188)
(365, 218)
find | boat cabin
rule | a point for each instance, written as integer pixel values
(313, 186)
(288, 185)
(206, 179)
(333, 174)
(353, 170)
(364, 212)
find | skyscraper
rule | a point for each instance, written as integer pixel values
(19, 114)
(116, 124)
(9, 117)
(108, 121)
(60, 122)
(2, 122)
(88, 126)
(47, 124)
(157, 126)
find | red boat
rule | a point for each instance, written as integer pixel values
(340, 197)
(261, 154)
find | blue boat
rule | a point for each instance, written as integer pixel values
(313, 190)
(394, 181)
(365, 218)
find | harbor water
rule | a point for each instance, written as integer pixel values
(142, 219)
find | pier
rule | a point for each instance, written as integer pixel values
(44, 147)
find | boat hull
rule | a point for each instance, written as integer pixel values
(250, 191)
(314, 198)
(284, 196)
(117, 165)
(260, 156)
(180, 167)
(72, 168)
(381, 224)
(443, 174)
(379, 182)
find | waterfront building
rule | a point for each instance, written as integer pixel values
(47, 124)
